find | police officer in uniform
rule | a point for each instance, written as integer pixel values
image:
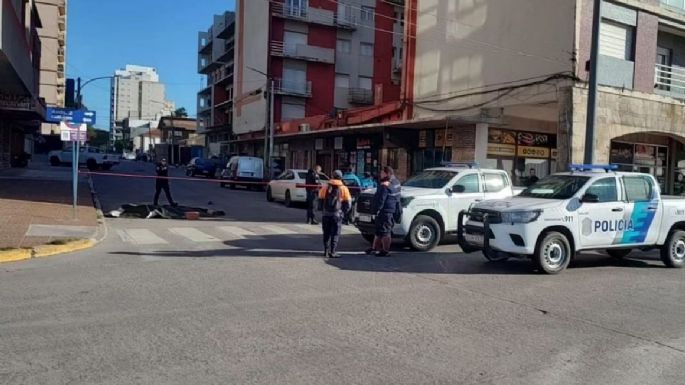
(162, 183)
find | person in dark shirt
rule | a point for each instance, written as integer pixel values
(532, 178)
(386, 202)
(162, 183)
(312, 180)
(334, 201)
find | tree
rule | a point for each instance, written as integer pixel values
(180, 113)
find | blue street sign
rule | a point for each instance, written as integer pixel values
(56, 115)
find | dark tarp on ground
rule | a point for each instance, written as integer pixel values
(166, 212)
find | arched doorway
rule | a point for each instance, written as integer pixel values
(659, 154)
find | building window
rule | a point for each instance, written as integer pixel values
(367, 14)
(342, 81)
(616, 40)
(292, 111)
(366, 49)
(674, 3)
(292, 39)
(365, 83)
(344, 46)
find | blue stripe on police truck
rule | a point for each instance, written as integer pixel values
(641, 218)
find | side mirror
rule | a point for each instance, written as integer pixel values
(458, 188)
(590, 198)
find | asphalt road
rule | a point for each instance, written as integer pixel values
(248, 300)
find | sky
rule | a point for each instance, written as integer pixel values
(104, 35)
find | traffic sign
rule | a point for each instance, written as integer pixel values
(56, 115)
(71, 132)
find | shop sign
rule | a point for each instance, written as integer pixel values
(363, 143)
(502, 149)
(423, 135)
(533, 139)
(533, 152)
(501, 136)
(16, 102)
(338, 143)
(318, 144)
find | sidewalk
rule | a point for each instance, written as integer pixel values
(36, 207)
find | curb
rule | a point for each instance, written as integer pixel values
(42, 251)
(15, 255)
(69, 247)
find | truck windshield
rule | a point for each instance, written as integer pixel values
(431, 179)
(555, 187)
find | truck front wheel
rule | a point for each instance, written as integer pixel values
(553, 253)
(424, 233)
(673, 251)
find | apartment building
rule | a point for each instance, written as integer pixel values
(53, 36)
(215, 100)
(137, 93)
(21, 108)
(511, 90)
(333, 64)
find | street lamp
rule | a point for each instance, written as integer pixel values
(79, 104)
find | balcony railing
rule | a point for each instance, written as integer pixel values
(346, 21)
(303, 51)
(670, 80)
(360, 96)
(293, 88)
(304, 14)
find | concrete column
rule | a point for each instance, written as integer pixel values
(481, 142)
(645, 51)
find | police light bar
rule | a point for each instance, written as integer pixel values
(590, 167)
(461, 165)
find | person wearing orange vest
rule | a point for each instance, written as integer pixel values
(335, 201)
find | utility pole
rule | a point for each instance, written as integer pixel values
(591, 121)
(271, 126)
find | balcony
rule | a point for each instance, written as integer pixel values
(303, 14)
(360, 96)
(670, 81)
(303, 52)
(204, 43)
(293, 88)
(347, 21)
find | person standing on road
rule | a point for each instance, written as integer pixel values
(312, 180)
(387, 204)
(162, 183)
(335, 201)
(354, 184)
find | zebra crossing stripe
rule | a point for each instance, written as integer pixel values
(278, 230)
(193, 234)
(311, 229)
(142, 237)
(238, 232)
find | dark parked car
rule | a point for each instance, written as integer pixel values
(201, 166)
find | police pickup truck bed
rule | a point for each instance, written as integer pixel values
(589, 208)
(432, 200)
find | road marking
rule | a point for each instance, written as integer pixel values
(142, 237)
(124, 237)
(278, 230)
(350, 230)
(238, 232)
(311, 229)
(193, 234)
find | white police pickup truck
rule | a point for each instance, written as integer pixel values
(432, 200)
(589, 208)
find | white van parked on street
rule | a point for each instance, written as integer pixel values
(245, 171)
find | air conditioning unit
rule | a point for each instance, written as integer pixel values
(305, 127)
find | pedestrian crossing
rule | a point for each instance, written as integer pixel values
(251, 231)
